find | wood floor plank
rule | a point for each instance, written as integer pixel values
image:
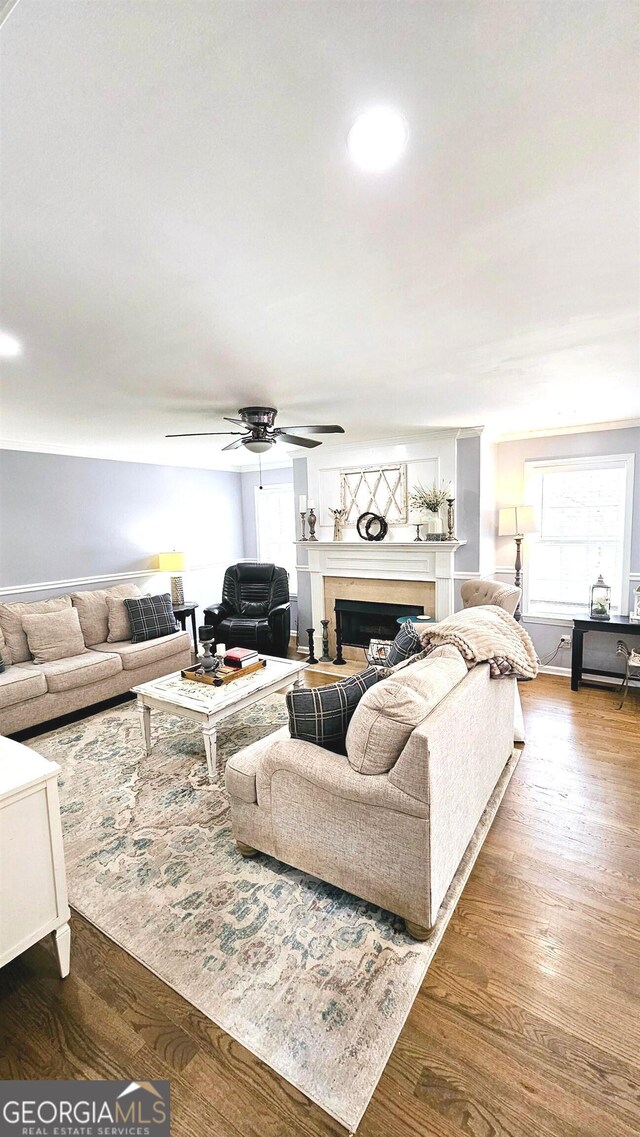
(526, 1024)
(459, 982)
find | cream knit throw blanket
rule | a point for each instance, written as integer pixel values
(486, 634)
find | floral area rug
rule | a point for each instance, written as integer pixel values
(315, 982)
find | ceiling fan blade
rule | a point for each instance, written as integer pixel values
(316, 429)
(284, 437)
(238, 442)
(203, 434)
(237, 421)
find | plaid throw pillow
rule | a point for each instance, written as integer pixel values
(406, 643)
(322, 714)
(150, 617)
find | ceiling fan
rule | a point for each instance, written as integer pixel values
(260, 433)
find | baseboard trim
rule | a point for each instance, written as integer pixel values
(600, 680)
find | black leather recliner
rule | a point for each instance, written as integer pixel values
(254, 611)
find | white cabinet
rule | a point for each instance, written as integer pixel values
(33, 886)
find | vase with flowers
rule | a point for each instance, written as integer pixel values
(429, 500)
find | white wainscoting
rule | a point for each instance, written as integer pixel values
(82, 582)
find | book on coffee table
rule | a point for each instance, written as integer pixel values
(240, 657)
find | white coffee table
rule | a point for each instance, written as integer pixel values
(210, 705)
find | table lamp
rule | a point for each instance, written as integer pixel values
(516, 521)
(173, 563)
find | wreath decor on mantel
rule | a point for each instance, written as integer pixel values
(372, 527)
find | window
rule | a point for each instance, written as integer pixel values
(275, 529)
(583, 508)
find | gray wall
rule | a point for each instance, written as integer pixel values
(301, 487)
(467, 487)
(65, 518)
(599, 647)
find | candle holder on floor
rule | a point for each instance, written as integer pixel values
(311, 633)
(325, 657)
(339, 661)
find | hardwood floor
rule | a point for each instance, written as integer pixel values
(527, 1024)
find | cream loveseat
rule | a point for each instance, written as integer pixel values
(32, 693)
(390, 822)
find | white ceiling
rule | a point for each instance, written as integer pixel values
(182, 233)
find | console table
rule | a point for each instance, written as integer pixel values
(620, 626)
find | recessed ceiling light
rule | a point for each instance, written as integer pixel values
(377, 139)
(9, 345)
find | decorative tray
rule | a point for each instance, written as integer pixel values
(222, 675)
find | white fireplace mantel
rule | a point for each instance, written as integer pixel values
(381, 560)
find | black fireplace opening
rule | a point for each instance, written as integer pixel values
(360, 621)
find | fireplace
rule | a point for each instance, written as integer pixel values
(360, 621)
(414, 577)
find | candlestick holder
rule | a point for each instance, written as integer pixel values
(325, 657)
(339, 661)
(312, 525)
(417, 536)
(450, 519)
(303, 518)
(209, 662)
(312, 657)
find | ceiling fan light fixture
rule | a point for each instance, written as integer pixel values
(258, 445)
(261, 431)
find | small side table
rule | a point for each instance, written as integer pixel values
(181, 612)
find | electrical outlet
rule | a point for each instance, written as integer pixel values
(565, 641)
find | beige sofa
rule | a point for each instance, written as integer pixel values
(395, 837)
(32, 693)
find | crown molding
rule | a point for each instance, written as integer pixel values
(99, 455)
(412, 436)
(554, 431)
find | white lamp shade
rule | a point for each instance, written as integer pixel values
(516, 521)
(171, 562)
